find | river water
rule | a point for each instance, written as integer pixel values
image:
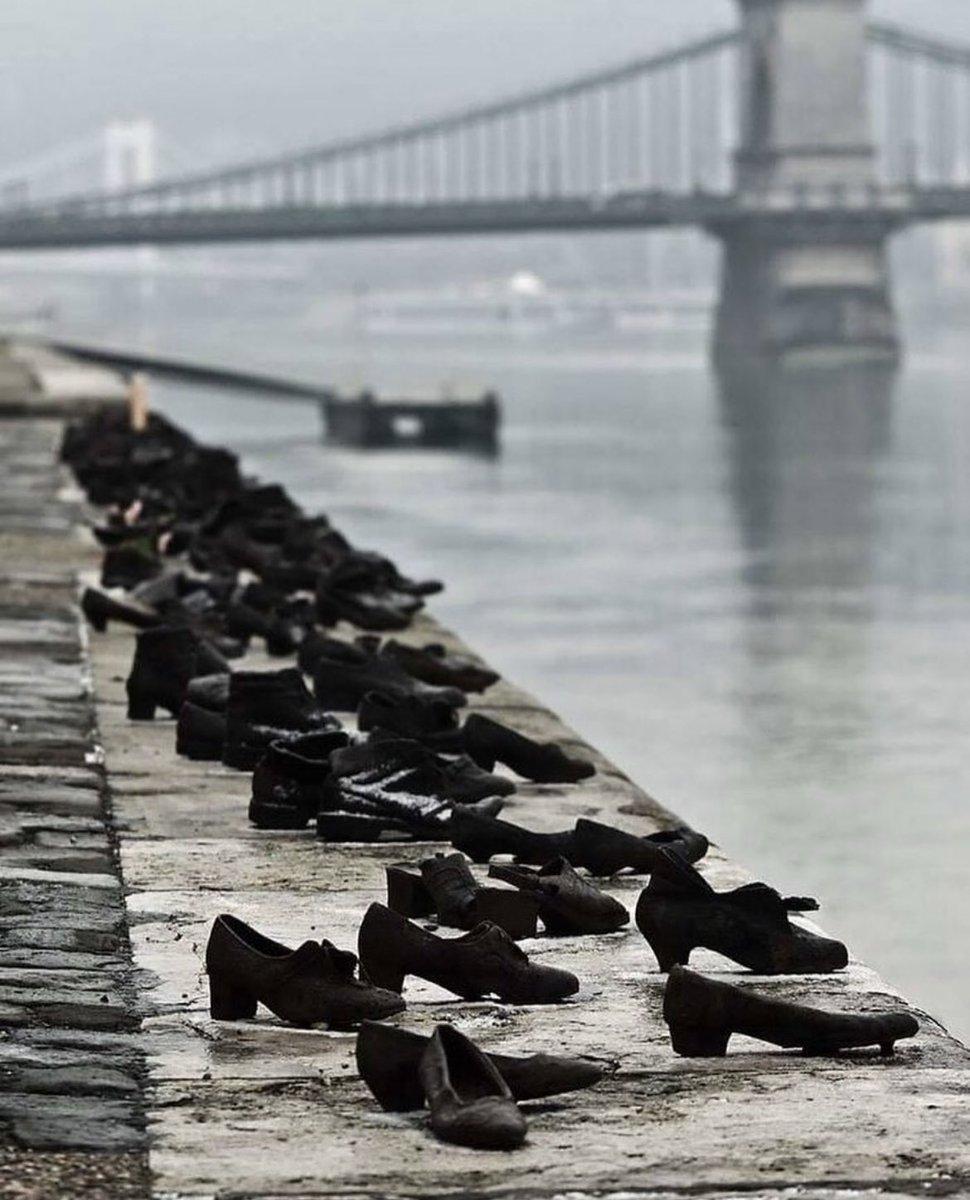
(755, 597)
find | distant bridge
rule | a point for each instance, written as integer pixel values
(806, 126)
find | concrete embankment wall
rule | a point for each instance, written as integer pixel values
(258, 1109)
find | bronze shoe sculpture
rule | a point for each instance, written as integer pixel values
(567, 903)
(314, 984)
(604, 850)
(469, 1101)
(484, 962)
(388, 1058)
(445, 887)
(702, 1014)
(679, 910)
(489, 741)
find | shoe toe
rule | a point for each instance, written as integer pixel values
(493, 1123)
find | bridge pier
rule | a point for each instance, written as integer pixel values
(810, 285)
(816, 293)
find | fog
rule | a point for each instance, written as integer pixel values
(223, 78)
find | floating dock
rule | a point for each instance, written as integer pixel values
(442, 422)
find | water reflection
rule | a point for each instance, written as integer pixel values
(806, 457)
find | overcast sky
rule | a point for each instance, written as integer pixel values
(227, 77)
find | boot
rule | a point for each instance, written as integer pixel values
(166, 658)
(446, 887)
(263, 705)
(483, 962)
(288, 780)
(679, 910)
(470, 1102)
(314, 984)
(388, 1058)
(567, 903)
(702, 1014)
(489, 741)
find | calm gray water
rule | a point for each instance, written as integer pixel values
(756, 598)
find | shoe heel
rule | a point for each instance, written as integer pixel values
(515, 912)
(699, 1043)
(669, 950)
(141, 708)
(228, 1002)
(407, 894)
(385, 975)
(96, 619)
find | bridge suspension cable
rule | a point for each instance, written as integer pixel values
(665, 122)
(920, 102)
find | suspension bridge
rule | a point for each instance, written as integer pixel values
(802, 140)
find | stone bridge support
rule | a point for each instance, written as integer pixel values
(815, 287)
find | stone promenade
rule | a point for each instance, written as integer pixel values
(116, 1083)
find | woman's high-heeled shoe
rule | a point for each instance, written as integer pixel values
(679, 911)
(702, 1014)
(314, 984)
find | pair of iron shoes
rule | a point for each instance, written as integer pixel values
(472, 1096)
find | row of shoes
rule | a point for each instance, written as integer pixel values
(207, 561)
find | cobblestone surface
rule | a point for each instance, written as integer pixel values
(71, 1069)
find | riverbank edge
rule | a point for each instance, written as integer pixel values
(148, 808)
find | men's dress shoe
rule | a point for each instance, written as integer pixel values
(262, 706)
(429, 721)
(379, 609)
(398, 779)
(702, 1014)
(432, 664)
(457, 778)
(166, 658)
(567, 903)
(480, 837)
(445, 886)
(388, 1059)
(604, 850)
(489, 741)
(484, 962)
(314, 984)
(679, 910)
(341, 685)
(200, 732)
(99, 608)
(317, 646)
(469, 1101)
(288, 780)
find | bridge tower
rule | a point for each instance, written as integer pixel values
(813, 285)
